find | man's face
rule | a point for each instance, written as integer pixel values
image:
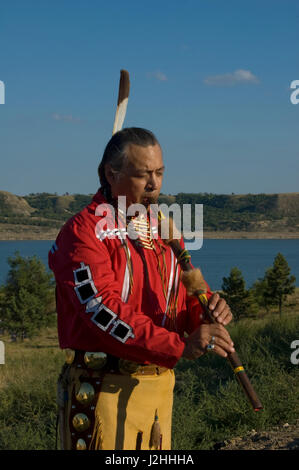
(140, 179)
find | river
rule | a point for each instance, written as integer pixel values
(215, 258)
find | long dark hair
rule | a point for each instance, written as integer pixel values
(115, 151)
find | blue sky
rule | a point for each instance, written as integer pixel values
(210, 78)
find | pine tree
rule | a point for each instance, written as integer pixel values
(279, 282)
(235, 293)
(27, 299)
(259, 292)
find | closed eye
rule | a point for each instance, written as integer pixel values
(145, 174)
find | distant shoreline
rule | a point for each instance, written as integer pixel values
(10, 232)
(252, 235)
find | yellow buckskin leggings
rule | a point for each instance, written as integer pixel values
(124, 411)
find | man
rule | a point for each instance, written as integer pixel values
(122, 312)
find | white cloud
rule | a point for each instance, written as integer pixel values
(237, 77)
(160, 76)
(65, 117)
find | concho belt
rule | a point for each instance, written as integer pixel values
(84, 394)
(97, 360)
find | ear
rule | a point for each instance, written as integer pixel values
(110, 174)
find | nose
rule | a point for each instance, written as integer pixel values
(152, 183)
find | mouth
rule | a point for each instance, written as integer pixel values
(147, 200)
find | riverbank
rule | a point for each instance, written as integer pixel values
(31, 232)
(252, 235)
(27, 232)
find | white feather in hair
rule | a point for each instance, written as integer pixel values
(122, 102)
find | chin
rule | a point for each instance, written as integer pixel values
(147, 200)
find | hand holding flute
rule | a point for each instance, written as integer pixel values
(205, 335)
(216, 335)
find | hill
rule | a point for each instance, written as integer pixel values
(40, 215)
(14, 205)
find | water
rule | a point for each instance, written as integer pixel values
(252, 257)
(40, 248)
(215, 258)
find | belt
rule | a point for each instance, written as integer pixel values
(97, 360)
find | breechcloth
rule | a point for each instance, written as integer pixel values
(113, 410)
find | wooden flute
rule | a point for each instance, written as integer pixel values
(194, 282)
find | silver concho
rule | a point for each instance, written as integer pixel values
(81, 444)
(95, 360)
(85, 393)
(81, 422)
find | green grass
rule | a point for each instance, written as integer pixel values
(28, 393)
(209, 404)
